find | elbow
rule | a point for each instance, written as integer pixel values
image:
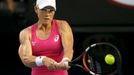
(26, 63)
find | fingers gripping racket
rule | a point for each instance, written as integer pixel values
(95, 61)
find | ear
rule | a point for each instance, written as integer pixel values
(35, 9)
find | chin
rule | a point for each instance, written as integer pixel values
(46, 22)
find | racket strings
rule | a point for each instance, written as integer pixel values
(93, 65)
(98, 54)
(93, 59)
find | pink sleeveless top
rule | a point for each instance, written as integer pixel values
(50, 47)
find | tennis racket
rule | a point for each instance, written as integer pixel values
(94, 59)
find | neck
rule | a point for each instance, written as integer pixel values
(43, 27)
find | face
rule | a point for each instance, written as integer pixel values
(45, 15)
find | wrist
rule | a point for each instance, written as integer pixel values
(39, 60)
(66, 59)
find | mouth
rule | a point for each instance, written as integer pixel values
(46, 18)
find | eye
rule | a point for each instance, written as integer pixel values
(51, 10)
(48, 10)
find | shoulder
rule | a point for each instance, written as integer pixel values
(25, 33)
(63, 24)
(64, 27)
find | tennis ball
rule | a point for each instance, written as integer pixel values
(109, 59)
(88, 61)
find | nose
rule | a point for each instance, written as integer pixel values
(46, 12)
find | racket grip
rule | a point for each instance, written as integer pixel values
(69, 65)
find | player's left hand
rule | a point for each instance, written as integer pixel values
(63, 64)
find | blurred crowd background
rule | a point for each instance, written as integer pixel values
(91, 21)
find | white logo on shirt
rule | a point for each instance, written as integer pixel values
(56, 38)
(33, 43)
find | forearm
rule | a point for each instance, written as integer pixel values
(38, 61)
(68, 53)
(29, 61)
(26, 57)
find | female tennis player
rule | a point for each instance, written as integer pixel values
(46, 46)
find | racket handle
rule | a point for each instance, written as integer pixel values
(70, 64)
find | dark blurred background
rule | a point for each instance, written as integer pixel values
(91, 20)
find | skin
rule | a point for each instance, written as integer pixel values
(45, 16)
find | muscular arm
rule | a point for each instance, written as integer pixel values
(25, 50)
(67, 39)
